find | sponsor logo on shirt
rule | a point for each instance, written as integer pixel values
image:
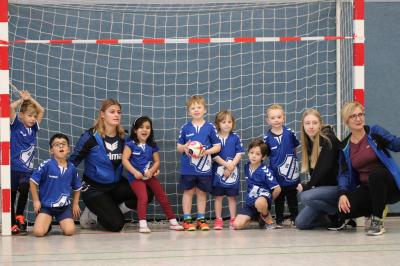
(53, 176)
(111, 146)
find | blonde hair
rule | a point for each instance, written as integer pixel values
(28, 106)
(196, 99)
(307, 161)
(348, 110)
(221, 116)
(99, 123)
(275, 107)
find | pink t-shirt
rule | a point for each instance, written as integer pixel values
(363, 159)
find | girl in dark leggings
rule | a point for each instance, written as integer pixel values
(106, 194)
(368, 178)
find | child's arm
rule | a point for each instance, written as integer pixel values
(76, 211)
(128, 166)
(276, 192)
(35, 197)
(183, 149)
(156, 165)
(214, 149)
(232, 165)
(13, 107)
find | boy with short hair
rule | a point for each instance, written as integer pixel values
(196, 173)
(55, 178)
(23, 129)
(282, 143)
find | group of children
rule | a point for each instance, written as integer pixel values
(215, 171)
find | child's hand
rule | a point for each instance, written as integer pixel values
(227, 173)
(230, 166)
(139, 176)
(76, 211)
(187, 149)
(148, 174)
(36, 206)
(25, 95)
(156, 173)
(299, 187)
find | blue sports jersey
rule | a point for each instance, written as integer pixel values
(206, 135)
(283, 160)
(260, 183)
(141, 157)
(230, 146)
(55, 185)
(22, 146)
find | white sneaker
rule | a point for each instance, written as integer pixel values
(145, 230)
(176, 227)
(88, 219)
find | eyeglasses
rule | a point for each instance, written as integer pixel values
(60, 144)
(359, 116)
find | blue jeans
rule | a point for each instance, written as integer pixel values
(317, 202)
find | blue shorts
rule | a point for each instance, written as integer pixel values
(251, 210)
(19, 178)
(221, 191)
(61, 213)
(204, 183)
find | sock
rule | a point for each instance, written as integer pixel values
(200, 216)
(173, 221)
(187, 217)
(124, 209)
(142, 223)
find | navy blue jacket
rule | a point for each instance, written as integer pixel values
(98, 166)
(380, 141)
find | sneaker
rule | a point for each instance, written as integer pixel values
(231, 222)
(176, 227)
(337, 224)
(279, 225)
(218, 224)
(144, 229)
(21, 222)
(351, 223)
(189, 225)
(88, 220)
(202, 225)
(292, 224)
(15, 230)
(268, 221)
(376, 227)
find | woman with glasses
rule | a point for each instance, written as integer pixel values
(368, 178)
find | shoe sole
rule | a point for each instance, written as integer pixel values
(377, 234)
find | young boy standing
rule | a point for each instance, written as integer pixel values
(196, 173)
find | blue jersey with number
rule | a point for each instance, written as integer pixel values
(55, 183)
(22, 146)
(283, 160)
(260, 183)
(230, 146)
(208, 137)
(141, 157)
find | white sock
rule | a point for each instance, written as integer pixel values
(173, 221)
(124, 209)
(142, 223)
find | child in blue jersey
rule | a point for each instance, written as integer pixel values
(226, 180)
(142, 160)
(23, 129)
(282, 143)
(262, 187)
(55, 178)
(196, 173)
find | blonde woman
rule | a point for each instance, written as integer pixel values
(106, 194)
(369, 178)
(320, 161)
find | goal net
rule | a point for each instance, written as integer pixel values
(151, 57)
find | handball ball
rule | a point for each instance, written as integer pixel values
(196, 149)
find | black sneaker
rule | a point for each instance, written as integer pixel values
(376, 227)
(20, 219)
(337, 225)
(351, 223)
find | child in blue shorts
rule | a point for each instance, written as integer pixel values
(196, 173)
(262, 187)
(55, 178)
(226, 179)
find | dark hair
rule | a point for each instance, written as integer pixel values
(259, 143)
(137, 124)
(58, 136)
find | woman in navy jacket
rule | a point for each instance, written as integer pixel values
(106, 194)
(369, 178)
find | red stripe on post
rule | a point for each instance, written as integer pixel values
(4, 57)
(5, 153)
(199, 40)
(4, 105)
(289, 39)
(105, 41)
(6, 194)
(61, 41)
(359, 96)
(358, 54)
(153, 41)
(3, 10)
(358, 9)
(245, 39)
